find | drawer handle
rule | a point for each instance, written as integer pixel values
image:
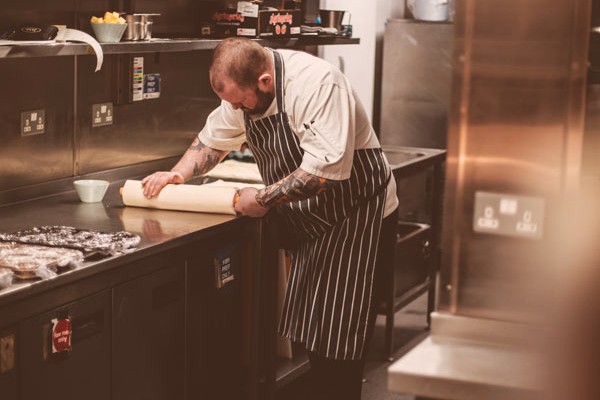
(85, 327)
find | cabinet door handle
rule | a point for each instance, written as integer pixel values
(85, 327)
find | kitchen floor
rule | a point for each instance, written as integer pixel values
(410, 329)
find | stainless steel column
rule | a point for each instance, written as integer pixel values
(516, 125)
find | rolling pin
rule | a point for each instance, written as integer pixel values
(197, 198)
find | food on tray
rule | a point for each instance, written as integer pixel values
(109, 18)
(6, 277)
(87, 241)
(28, 261)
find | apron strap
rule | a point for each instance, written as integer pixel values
(279, 79)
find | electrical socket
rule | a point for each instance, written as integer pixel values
(102, 114)
(33, 122)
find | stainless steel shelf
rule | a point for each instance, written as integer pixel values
(290, 370)
(158, 45)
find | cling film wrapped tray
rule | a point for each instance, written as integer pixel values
(28, 261)
(88, 241)
(41, 252)
(6, 277)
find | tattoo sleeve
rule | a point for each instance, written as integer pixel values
(199, 159)
(299, 185)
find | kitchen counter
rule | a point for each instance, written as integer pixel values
(470, 359)
(184, 302)
(159, 230)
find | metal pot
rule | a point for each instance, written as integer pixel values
(332, 19)
(139, 26)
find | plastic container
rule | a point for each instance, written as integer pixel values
(108, 33)
(91, 190)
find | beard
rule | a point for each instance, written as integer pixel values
(263, 101)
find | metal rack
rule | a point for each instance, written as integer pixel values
(158, 45)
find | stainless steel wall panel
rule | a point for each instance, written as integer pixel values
(145, 130)
(515, 127)
(46, 84)
(591, 161)
(415, 89)
(45, 12)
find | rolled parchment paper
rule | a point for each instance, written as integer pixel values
(198, 198)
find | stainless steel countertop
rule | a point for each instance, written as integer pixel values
(159, 230)
(471, 359)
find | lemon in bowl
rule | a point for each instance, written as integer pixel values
(110, 28)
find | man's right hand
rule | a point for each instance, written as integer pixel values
(154, 183)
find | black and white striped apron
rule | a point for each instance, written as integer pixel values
(328, 297)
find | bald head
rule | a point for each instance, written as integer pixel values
(241, 61)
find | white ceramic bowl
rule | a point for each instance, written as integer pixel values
(90, 190)
(108, 33)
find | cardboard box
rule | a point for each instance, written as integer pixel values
(251, 22)
(226, 23)
(281, 23)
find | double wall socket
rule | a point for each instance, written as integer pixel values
(509, 215)
(33, 122)
(102, 114)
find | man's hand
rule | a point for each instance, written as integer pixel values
(154, 183)
(247, 205)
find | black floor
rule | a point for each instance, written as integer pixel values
(410, 329)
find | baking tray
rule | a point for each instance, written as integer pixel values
(89, 242)
(29, 261)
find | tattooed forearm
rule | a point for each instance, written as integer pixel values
(199, 159)
(299, 185)
(207, 160)
(196, 170)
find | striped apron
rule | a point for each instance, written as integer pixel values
(336, 232)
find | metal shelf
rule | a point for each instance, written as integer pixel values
(289, 370)
(158, 45)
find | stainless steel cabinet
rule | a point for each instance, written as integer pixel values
(83, 372)
(216, 329)
(149, 336)
(8, 364)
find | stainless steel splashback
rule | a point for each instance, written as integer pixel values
(415, 89)
(516, 129)
(66, 88)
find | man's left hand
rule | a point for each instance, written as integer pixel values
(247, 205)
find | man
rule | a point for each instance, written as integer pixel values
(327, 179)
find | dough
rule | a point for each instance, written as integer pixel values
(199, 198)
